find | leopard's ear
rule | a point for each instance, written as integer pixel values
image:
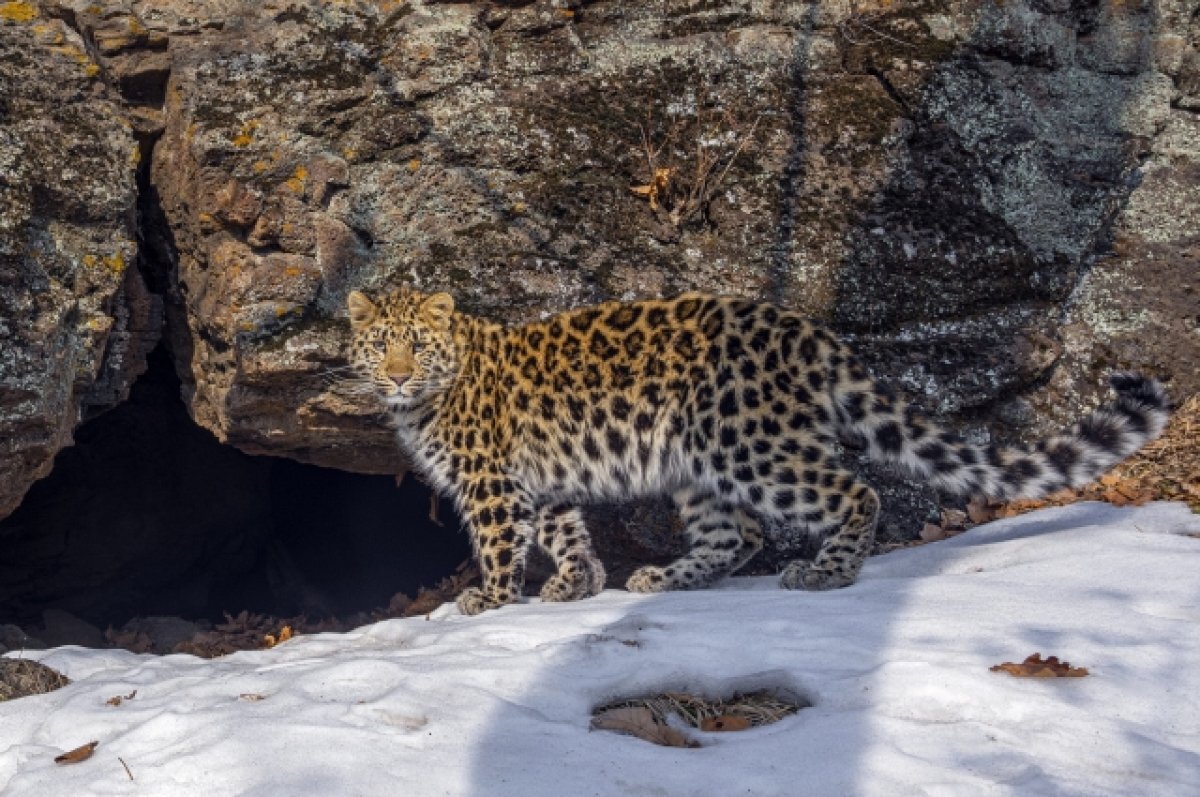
(362, 310)
(437, 309)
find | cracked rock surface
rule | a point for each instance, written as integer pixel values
(74, 313)
(996, 202)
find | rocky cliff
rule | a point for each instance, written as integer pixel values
(997, 201)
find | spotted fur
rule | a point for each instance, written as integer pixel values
(730, 406)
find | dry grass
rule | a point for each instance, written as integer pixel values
(757, 708)
(22, 677)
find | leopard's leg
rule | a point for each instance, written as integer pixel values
(752, 539)
(563, 535)
(499, 522)
(720, 544)
(849, 512)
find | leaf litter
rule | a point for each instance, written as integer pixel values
(22, 677)
(1035, 666)
(650, 718)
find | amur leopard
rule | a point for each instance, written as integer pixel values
(730, 406)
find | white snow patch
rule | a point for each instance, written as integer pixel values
(495, 705)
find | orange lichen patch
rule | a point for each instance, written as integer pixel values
(245, 135)
(414, 164)
(260, 167)
(565, 13)
(90, 67)
(116, 262)
(18, 11)
(135, 155)
(292, 271)
(296, 181)
(48, 34)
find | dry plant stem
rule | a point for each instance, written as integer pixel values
(702, 186)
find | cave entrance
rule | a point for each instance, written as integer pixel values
(149, 515)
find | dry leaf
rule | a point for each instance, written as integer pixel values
(82, 753)
(117, 700)
(640, 722)
(1036, 667)
(725, 722)
(285, 633)
(252, 697)
(658, 186)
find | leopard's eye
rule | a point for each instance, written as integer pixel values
(380, 346)
(418, 345)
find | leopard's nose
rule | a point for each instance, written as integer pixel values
(399, 379)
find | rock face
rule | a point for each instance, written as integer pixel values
(996, 201)
(74, 313)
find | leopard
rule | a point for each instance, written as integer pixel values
(736, 409)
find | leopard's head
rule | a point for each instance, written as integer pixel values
(403, 345)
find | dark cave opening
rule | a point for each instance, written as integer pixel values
(149, 515)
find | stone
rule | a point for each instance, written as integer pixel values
(63, 628)
(163, 633)
(75, 317)
(14, 639)
(993, 201)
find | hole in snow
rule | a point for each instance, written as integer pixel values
(665, 717)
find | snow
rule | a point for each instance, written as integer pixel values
(499, 704)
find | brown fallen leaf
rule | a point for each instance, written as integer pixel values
(270, 640)
(1035, 666)
(82, 753)
(656, 188)
(252, 697)
(119, 699)
(640, 722)
(725, 722)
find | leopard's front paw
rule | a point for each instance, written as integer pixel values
(803, 574)
(650, 578)
(473, 600)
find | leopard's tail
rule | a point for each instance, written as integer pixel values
(895, 432)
